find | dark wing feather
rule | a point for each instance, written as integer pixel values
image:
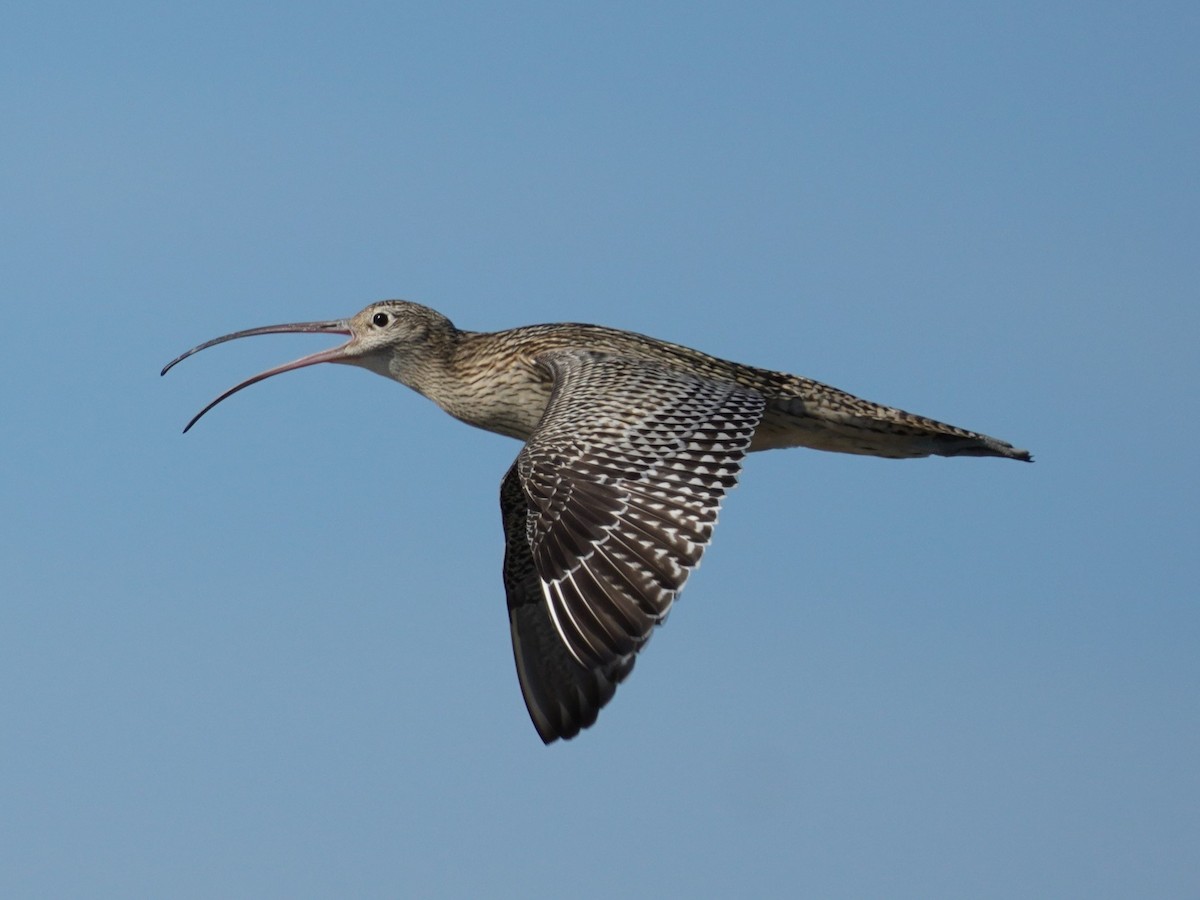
(622, 481)
(562, 696)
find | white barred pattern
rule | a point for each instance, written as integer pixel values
(624, 477)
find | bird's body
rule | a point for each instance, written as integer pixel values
(492, 380)
(630, 445)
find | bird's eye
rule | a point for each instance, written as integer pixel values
(380, 319)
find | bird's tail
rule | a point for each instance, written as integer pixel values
(828, 419)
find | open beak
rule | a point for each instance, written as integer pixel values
(333, 354)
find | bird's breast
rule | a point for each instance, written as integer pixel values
(506, 400)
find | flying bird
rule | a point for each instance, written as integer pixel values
(630, 444)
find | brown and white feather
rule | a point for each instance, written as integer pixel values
(623, 478)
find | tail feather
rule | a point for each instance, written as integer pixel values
(978, 445)
(833, 420)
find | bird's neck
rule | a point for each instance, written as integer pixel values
(481, 379)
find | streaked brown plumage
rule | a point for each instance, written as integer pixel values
(630, 445)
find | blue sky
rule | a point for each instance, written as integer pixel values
(271, 658)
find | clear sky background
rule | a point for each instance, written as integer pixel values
(270, 658)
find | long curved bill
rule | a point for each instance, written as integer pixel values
(333, 354)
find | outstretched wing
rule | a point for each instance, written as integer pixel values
(619, 486)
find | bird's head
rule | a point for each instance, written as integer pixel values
(393, 338)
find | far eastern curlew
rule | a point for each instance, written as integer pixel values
(630, 446)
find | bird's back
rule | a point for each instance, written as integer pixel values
(499, 386)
